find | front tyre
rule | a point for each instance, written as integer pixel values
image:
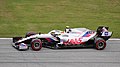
(100, 44)
(36, 44)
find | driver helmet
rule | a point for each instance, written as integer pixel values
(67, 27)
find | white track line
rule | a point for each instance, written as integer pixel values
(5, 38)
(117, 39)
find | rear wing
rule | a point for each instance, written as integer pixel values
(103, 32)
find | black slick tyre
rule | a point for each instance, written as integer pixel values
(36, 44)
(100, 44)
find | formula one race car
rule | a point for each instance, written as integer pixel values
(76, 37)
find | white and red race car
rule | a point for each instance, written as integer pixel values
(77, 37)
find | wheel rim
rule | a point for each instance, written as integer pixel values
(100, 45)
(37, 45)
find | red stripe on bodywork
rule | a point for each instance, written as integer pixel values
(48, 39)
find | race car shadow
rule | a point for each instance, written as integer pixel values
(65, 48)
(77, 48)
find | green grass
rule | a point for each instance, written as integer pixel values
(20, 16)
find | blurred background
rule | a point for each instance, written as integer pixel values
(20, 16)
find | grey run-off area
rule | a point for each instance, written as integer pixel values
(83, 57)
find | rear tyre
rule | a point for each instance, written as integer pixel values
(36, 44)
(100, 44)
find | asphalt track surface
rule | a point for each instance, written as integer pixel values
(83, 57)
